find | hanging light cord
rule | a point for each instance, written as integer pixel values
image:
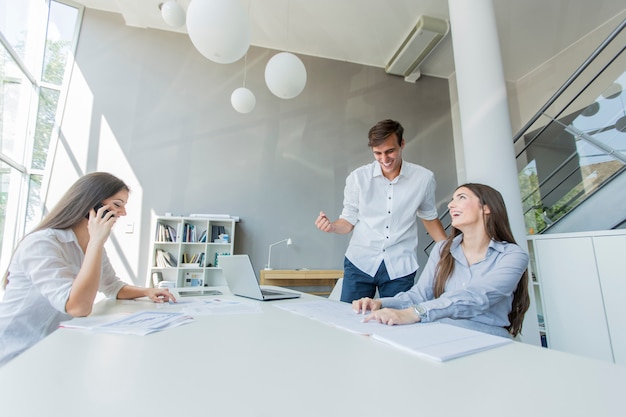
(245, 68)
(245, 57)
(288, 23)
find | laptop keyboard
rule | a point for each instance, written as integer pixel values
(270, 292)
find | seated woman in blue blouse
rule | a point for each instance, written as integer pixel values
(476, 278)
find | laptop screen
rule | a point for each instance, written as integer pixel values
(242, 280)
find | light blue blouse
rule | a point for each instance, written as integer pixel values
(477, 296)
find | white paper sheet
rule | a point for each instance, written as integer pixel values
(437, 341)
(140, 323)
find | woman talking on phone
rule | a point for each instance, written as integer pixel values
(58, 268)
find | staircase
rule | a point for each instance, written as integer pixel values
(571, 155)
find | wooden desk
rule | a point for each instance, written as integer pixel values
(294, 278)
(233, 364)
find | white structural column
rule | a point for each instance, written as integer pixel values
(483, 106)
(485, 122)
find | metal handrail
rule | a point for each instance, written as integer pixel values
(571, 79)
(548, 104)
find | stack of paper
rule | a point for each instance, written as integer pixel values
(140, 323)
(436, 341)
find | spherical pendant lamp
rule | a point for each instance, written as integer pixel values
(285, 75)
(173, 13)
(219, 29)
(243, 100)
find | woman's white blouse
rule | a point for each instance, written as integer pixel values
(42, 271)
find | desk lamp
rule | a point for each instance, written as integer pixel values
(269, 256)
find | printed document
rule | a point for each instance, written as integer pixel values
(140, 323)
(437, 341)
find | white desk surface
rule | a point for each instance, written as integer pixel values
(220, 366)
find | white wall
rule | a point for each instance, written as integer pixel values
(532, 91)
(146, 106)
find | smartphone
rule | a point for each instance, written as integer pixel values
(96, 208)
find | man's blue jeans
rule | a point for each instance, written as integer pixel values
(357, 284)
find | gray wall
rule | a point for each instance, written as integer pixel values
(167, 110)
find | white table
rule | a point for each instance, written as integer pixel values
(276, 363)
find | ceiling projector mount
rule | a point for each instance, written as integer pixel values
(423, 38)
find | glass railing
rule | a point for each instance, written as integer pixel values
(577, 142)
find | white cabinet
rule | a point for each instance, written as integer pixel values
(611, 258)
(536, 293)
(581, 280)
(186, 250)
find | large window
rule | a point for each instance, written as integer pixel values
(37, 40)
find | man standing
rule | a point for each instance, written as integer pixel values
(382, 202)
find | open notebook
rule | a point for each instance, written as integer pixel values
(242, 280)
(437, 341)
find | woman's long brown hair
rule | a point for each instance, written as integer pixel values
(75, 204)
(497, 228)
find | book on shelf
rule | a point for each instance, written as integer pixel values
(172, 232)
(196, 258)
(189, 233)
(216, 231)
(165, 233)
(164, 259)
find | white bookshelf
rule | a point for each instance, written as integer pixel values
(197, 261)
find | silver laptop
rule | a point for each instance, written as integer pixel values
(242, 281)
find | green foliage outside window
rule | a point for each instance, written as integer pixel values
(531, 201)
